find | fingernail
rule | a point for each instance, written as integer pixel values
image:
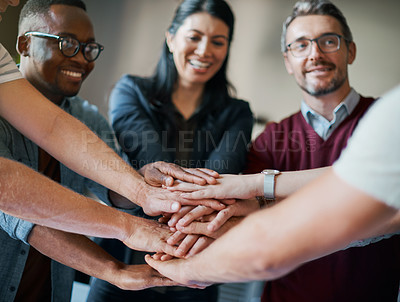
(175, 206)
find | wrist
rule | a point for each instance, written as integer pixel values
(269, 183)
(258, 185)
(112, 270)
(138, 191)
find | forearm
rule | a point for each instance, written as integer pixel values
(287, 183)
(66, 138)
(55, 206)
(75, 251)
(284, 236)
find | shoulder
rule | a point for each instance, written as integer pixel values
(288, 123)
(280, 130)
(132, 82)
(128, 90)
(366, 101)
(237, 105)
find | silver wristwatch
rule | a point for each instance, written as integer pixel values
(269, 182)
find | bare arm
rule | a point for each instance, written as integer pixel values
(76, 146)
(66, 138)
(29, 195)
(81, 253)
(283, 237)
(248, 186)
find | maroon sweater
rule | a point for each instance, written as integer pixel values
(369, 273)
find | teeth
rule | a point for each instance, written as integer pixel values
(72, 73)
(199, 64)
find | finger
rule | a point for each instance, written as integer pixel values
(210, 172)
(176, 238)
(184, 187)
(208, 218)
(195, 227)
(204, 174)
(162, 202)
(186, 245)
(211, 203)
(227, 201)
(154, 263)
(163, 219)
(193, 193)
(183, 174)
(194, 214)
(154, 177)
(178, 215)
(157, 256)
(166, 257)
(220, 219)
(167, 180)
(170, 249)
(200, 245)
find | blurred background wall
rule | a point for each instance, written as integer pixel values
(132, 32)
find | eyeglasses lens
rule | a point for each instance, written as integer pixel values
(69, 46)
(327, 44)
(91, 51)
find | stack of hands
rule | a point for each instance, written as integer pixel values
(209, 205)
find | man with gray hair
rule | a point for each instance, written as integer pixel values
(317, 46)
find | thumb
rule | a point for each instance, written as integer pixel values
(150, 261)
(167, 180)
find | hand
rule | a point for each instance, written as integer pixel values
(157, 201)
(189, 244)
(228, 186)
(185, 215)
(176, 270)
(138, 277)
(163, 173)
(202, 228)
(148, 235)
(239, 208)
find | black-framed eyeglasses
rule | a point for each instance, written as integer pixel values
(326, 43)
(69, 46)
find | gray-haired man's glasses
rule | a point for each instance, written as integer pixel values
(69, 46)
(326, 43)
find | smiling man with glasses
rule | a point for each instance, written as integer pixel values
(58, 48)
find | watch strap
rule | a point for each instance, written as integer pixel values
(269, 186)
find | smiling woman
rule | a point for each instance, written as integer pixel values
(184, 113)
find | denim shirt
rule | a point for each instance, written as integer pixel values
(321, 125)
(14, 232)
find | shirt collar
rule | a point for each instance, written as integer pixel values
(349, 103)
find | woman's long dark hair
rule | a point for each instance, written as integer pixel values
(166, 75)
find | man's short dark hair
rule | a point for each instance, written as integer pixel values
(34, 8)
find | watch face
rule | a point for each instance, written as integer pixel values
(271, 172)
